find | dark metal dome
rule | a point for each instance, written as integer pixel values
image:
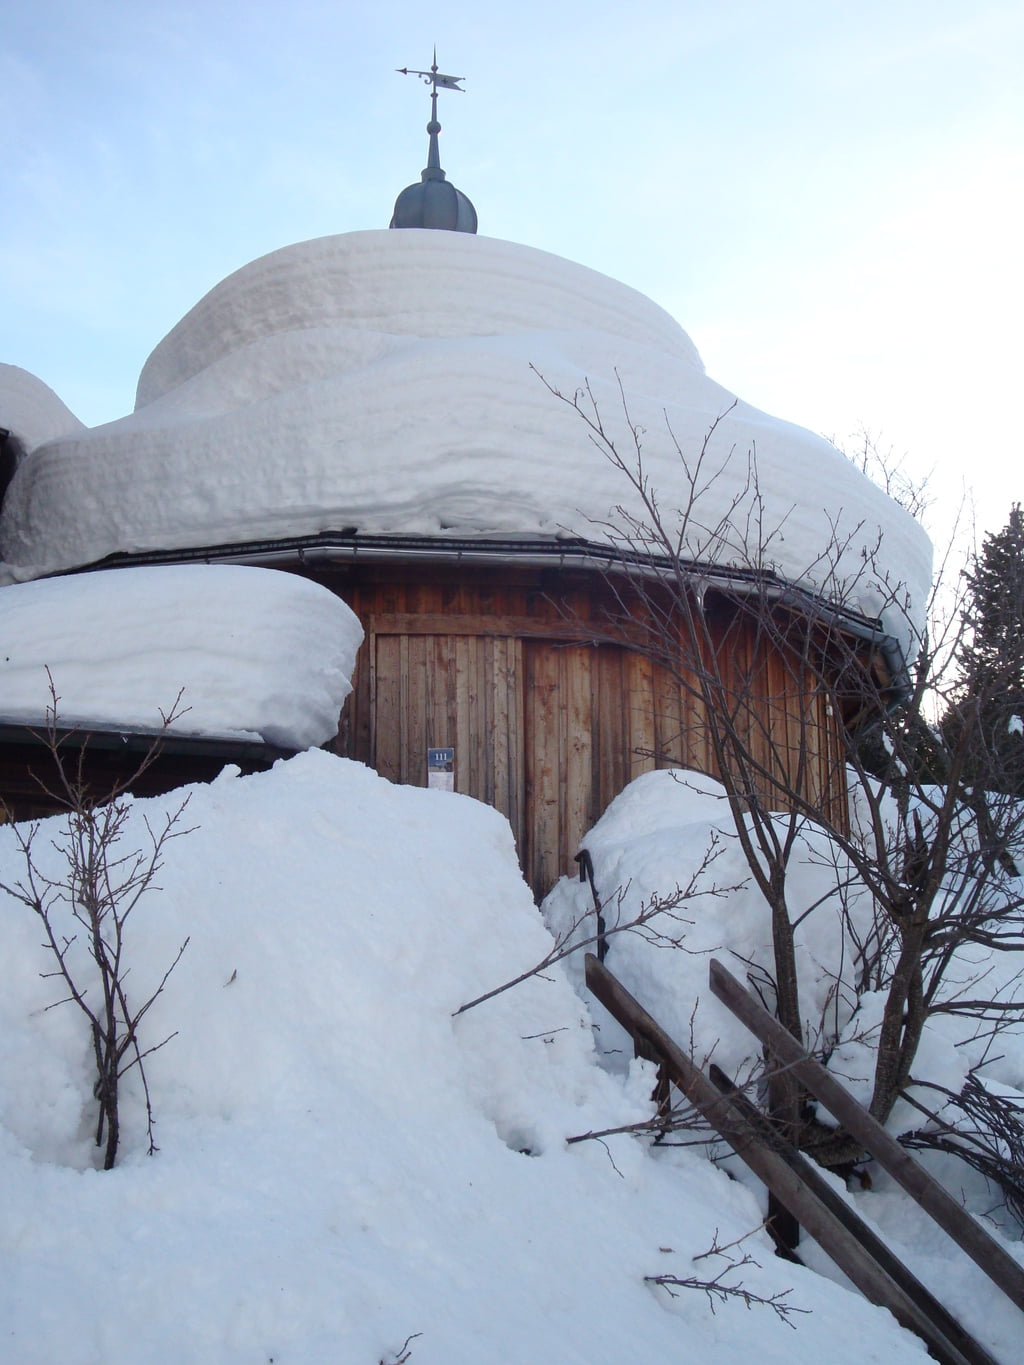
(434, 203)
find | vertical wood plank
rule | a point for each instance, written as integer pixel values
(388, 708)
(576, 790)
(668, 720)
(466, 734)
(512, 748)
(447, 688)
(542, 734)
(640, 731)
(360, 735)
(414, 709)
(609, 727)
(488, 712)
(500, 723)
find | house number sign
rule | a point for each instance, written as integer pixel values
(441, 769)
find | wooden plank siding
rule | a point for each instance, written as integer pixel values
(549, 726)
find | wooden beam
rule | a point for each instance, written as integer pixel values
(453, 623)
(817, 1183)
(833, 1235)
(568, 630)
(997, 1263)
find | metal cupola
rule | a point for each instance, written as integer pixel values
(434, 202)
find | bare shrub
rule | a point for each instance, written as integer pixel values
(98, 886)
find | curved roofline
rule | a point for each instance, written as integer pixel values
(348, 546)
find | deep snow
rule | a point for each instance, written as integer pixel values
(667, 826)
(382, 382)
(342, 1162)
(253, 653)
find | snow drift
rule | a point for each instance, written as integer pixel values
(673, 829)
(669, 825)
(344, 1165)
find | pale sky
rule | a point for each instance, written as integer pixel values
(828, 197)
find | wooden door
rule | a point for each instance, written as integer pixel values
(547, 732)
(466, 691)
(559, 759)
(548, 726)
(596, 717)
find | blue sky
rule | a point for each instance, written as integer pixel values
(829, 198)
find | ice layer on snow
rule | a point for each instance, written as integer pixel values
(255, 653)
(392, 383)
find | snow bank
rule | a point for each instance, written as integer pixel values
(385, 381)
(342, 1163)
(255, 653)
(665, 829)
(671, 830)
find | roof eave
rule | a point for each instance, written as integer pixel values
(349, 546)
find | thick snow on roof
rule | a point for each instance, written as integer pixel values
(31, 411)
(385, 381)
(256, 654)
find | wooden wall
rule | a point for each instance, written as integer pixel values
(547, 725)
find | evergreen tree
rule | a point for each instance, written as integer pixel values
(991, 661)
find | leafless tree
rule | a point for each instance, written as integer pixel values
(97, 885)
(888, 470)
(805, 704)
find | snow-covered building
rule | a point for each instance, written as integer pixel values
(375, 411)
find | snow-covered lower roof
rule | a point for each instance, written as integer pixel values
(390, 383)
(254, 653)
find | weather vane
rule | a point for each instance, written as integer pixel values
(434, 78)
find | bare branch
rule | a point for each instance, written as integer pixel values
(643, 923)
(98, 887)
(718, 1288)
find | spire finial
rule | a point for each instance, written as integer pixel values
(437, 81)
(460, 211)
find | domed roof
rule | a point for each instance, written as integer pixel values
(434, 203)
(396, 384)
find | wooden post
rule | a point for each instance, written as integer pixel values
(833, 1235)
(816, 1182)
(997, 1263)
